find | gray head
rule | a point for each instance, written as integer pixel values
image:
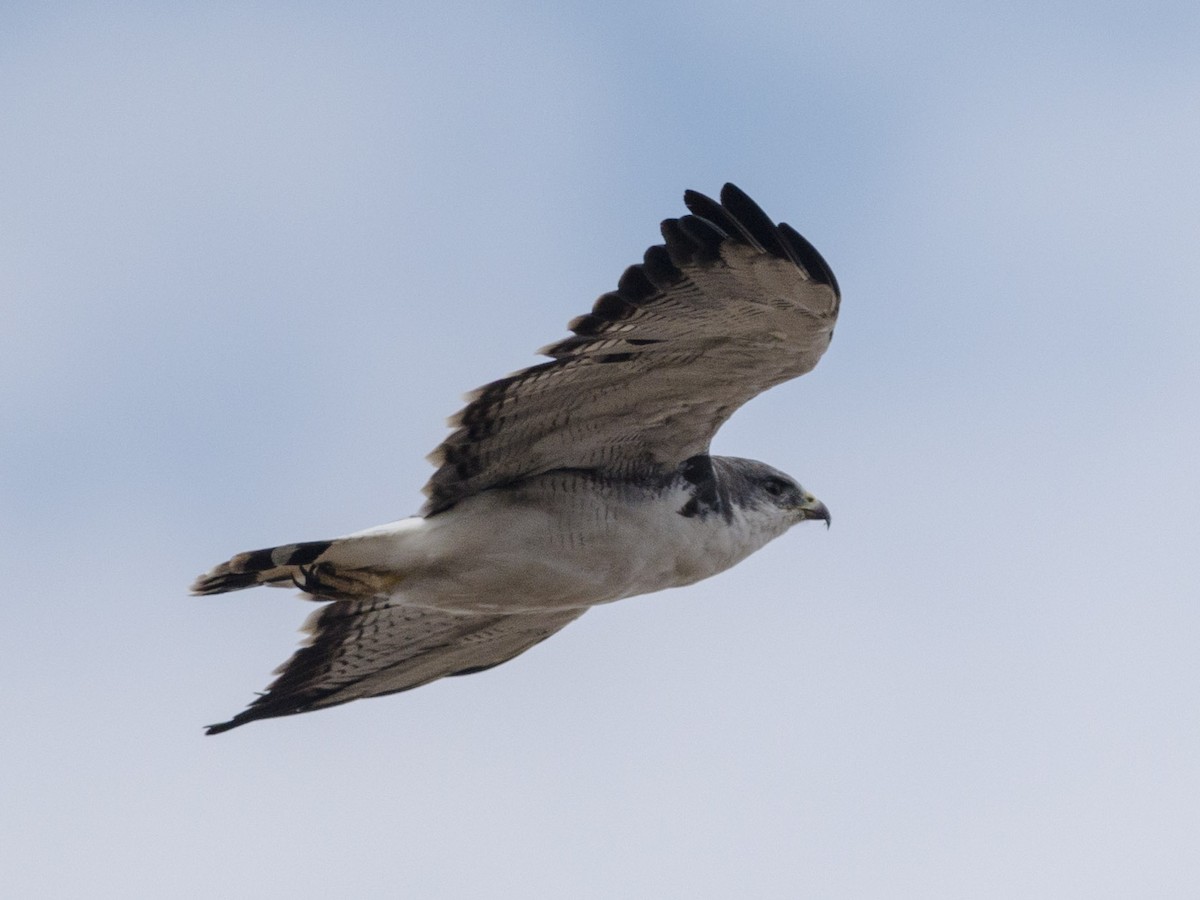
(755, 485)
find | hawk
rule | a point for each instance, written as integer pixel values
(579, 481)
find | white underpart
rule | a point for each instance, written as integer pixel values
(558, 542)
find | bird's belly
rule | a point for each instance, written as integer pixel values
(577, 551)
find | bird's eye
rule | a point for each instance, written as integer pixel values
(775, 486)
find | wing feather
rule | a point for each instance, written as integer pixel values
(730, 305)
(368, 647)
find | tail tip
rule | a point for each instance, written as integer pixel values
(222, 579)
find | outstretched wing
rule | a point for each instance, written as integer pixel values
(364, 648)
(729, 306)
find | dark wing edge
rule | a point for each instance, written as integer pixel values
(695, 244)
(373, 647)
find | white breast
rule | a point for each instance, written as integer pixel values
(560, 541)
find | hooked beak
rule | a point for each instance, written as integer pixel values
(812, 508)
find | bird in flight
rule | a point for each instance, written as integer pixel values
(579, 481)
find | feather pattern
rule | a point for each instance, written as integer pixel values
(370, 647)
(583, 480)
(730, 305)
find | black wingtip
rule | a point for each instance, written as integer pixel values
(710, 210)
(744, 220)
(262, 708)
(729, 189)
(758, 227)
(809, 257)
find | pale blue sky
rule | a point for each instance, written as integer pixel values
(252, 256)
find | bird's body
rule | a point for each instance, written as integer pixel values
(555, 495)
(561, 540)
